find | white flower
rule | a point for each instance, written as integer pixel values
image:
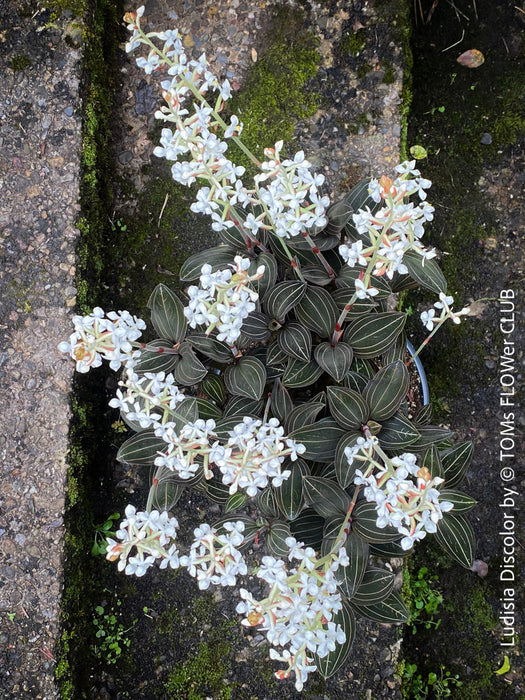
(100, 336)
(427, 319)
(353, 255)
(363, 292)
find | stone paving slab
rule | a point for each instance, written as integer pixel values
(39, 177)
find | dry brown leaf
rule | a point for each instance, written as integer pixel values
(471, 58)
(477, 308)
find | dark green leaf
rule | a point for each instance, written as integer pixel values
(241, 406)
(388, 550)
(189, 370)
(426, 272)
(141, 448)
(430, 435)
(218, 257)
(316, 274)
(320, 439)
(355, 381)
(269, 277)
(167, 314)
(302, 415)
(281, 402)
(275, 356)
(397, 432)
(424, 415)
(335, 360)
(317, 311)
(289, 496)
(165, 494)
(246, 378)
(455, 462)
(211, 347)
(282, 298)
(308, 528)
(462, 502)
(349, 577)
(345, 472)
(207, 410)
(296, 341)
(347, 407)
(266, 503)
(390, 610)
(364, 524)
(299, 374)
(456, 536)
(375, 586)
(216, 490)
(213, 386)
(385, 392)
(371, 335)
(255, 327)
(326, 497)
(276, 539)
(186, 411)
(432, 461)
(163, 359)
(233, 238)
(236, 501)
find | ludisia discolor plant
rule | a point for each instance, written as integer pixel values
(278, 383)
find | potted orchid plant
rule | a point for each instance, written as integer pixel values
(277, 382)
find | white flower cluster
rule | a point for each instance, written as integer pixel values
(99, 336)
(151, 534)
(429, 318)
(214, 558)
(290, 204)
(149, 399)
(405, 497)
(291, 199)
(298, 611)
(187, 447)
(251, 458)
(254, 454)
(223, 300)
(394, 229)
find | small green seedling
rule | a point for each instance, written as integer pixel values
(102, 532)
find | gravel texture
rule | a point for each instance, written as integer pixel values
(39, 165)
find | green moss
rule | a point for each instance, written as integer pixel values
(275, 95)
(77, 8)
(389, 76)
(352, 43)
(201, 674)
(19, 62)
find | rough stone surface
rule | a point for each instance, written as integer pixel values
(39, 166)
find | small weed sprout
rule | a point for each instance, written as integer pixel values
(110, 633)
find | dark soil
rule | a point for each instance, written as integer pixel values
(472, 122)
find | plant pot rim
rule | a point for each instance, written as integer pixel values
(421, 371)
